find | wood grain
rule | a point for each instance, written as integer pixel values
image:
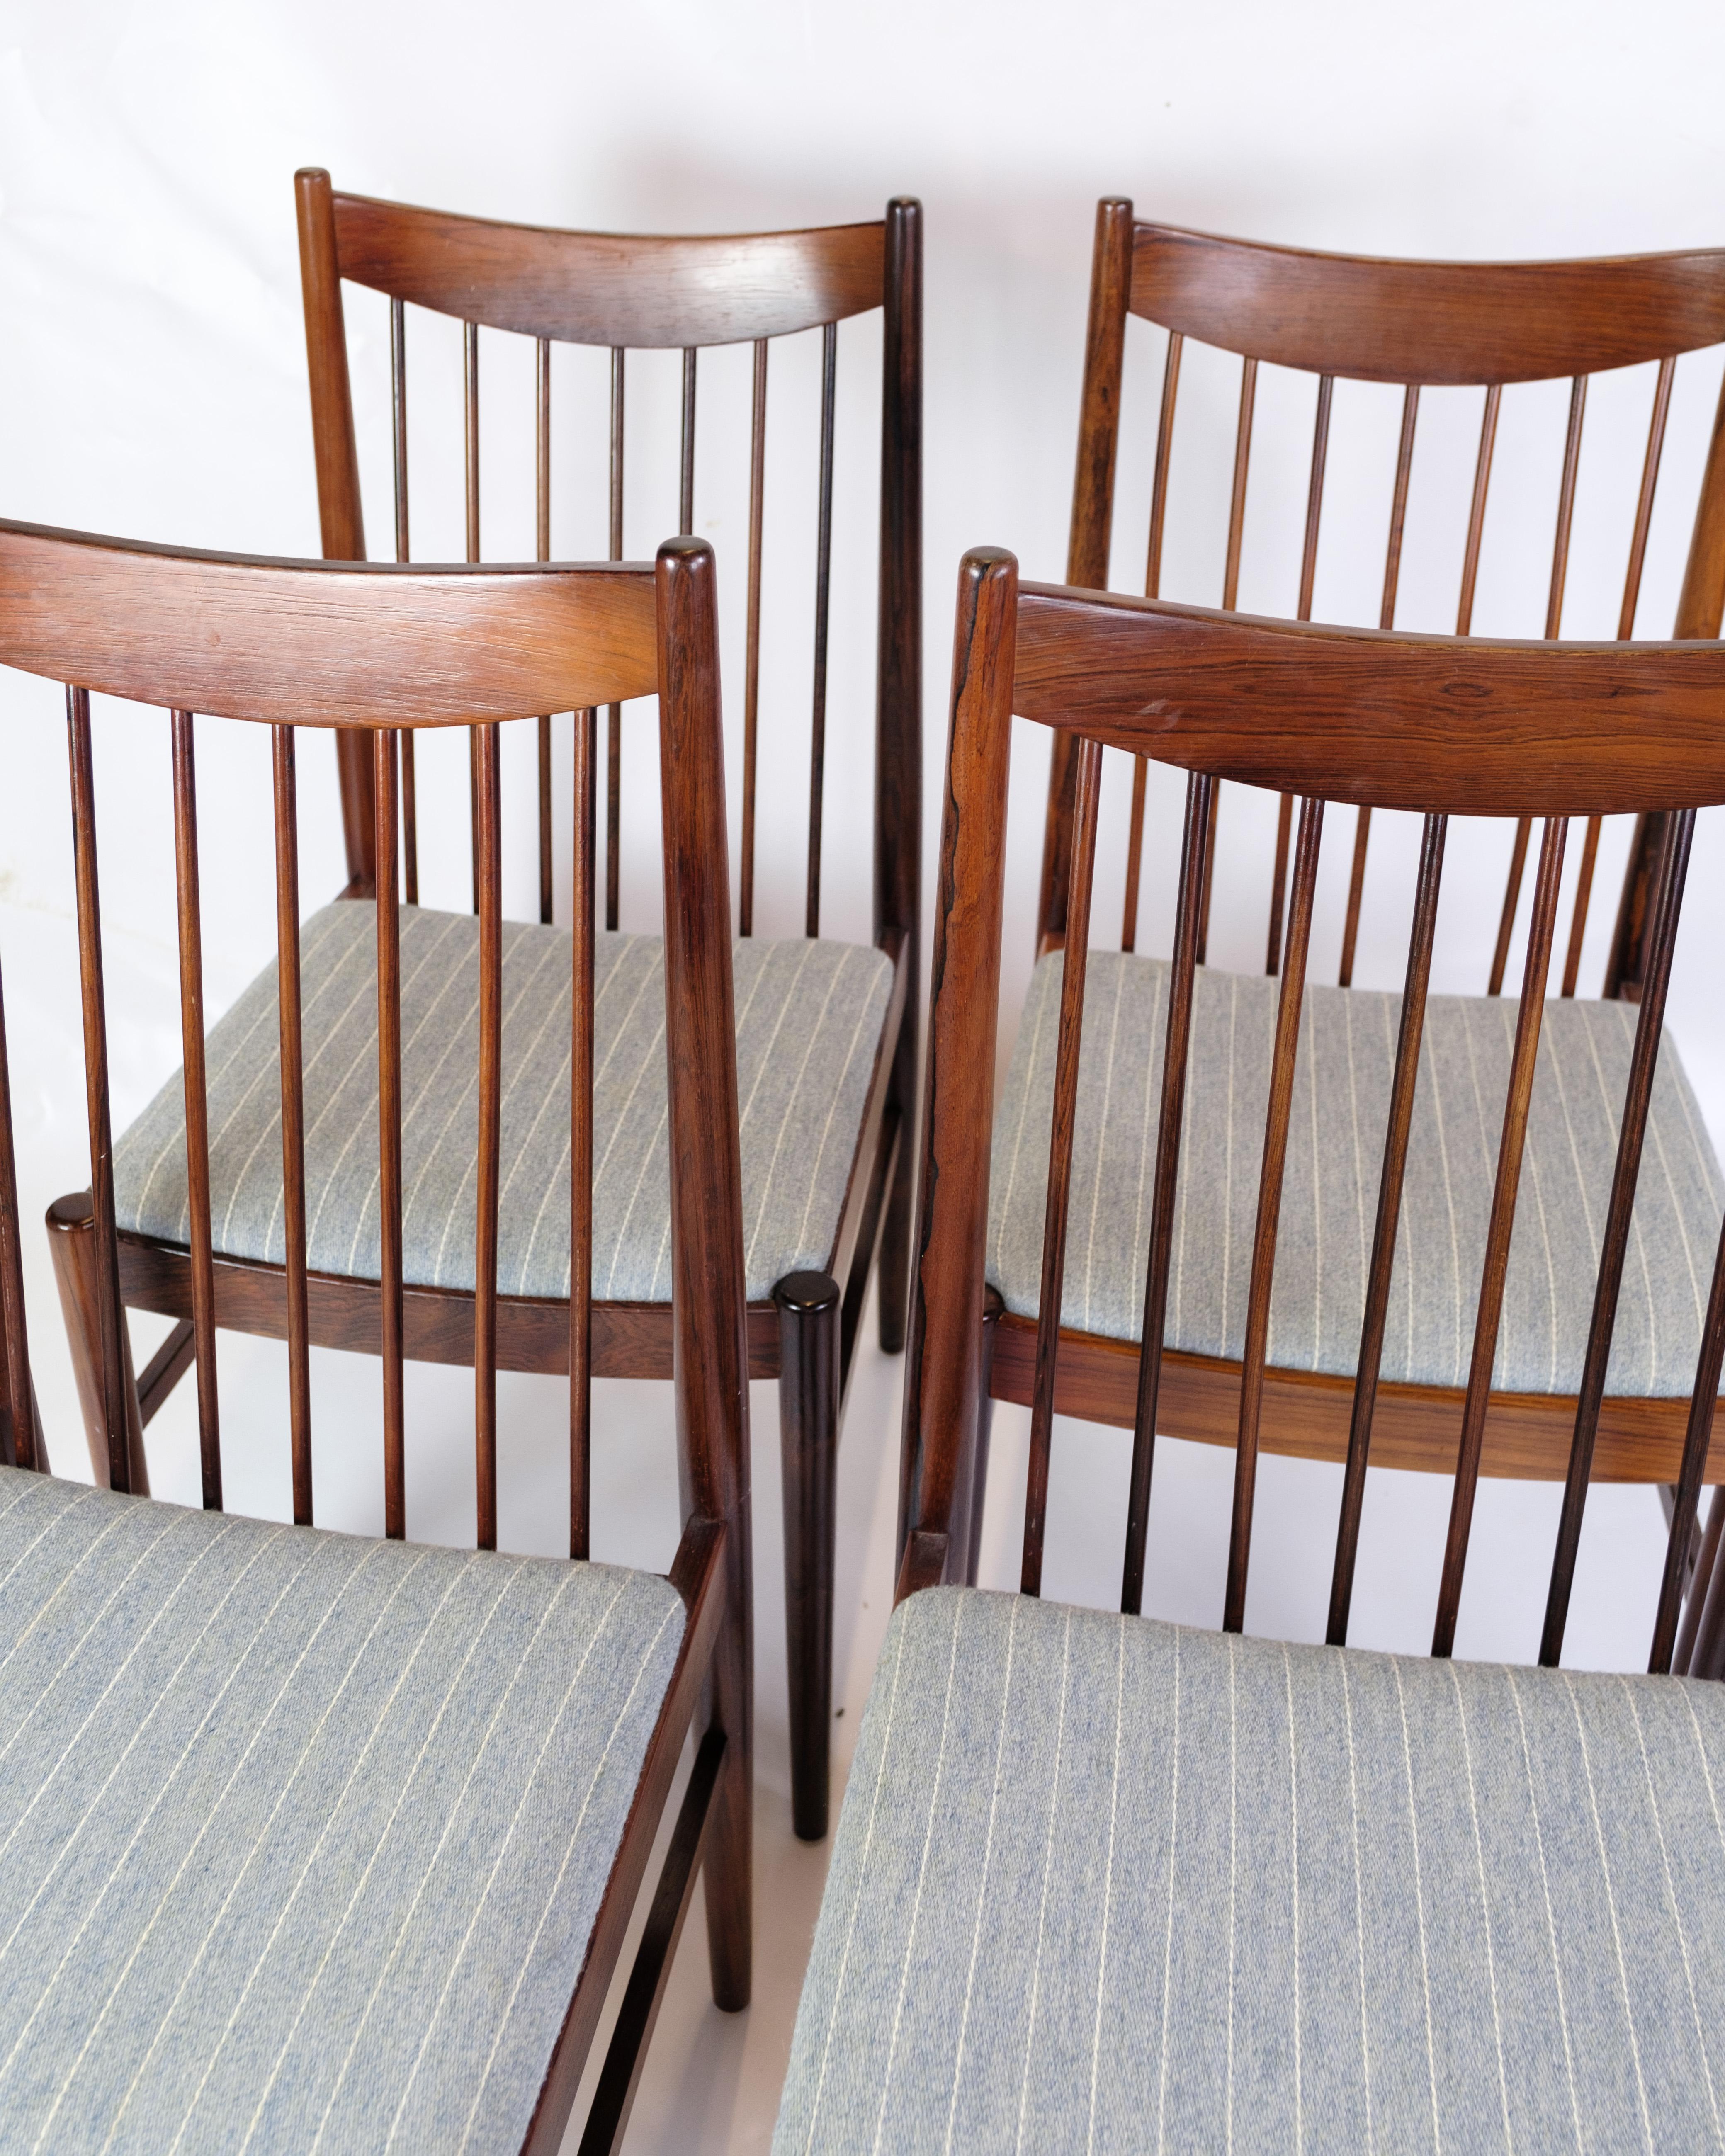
(296, 642)
(1374, 320)
(1306, 1413)
(1446, 724)
(602, 288)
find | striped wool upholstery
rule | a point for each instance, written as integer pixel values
(1341, 1107)
(808, 1021)
(302, 1837)
(1102, 1883)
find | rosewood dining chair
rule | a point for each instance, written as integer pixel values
(1101, 1880)
(1416, 324)
(827, 1029)
(316, 1841)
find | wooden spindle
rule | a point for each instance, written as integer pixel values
(1584, 892)
(1308, 578)
(1134, 854)
(1501, 1222)
(1554, 621)
(469, 353)
(1644, 500)
(1643, 1057)
(1389, 1202)
(20, 1447)
(1512, 899)
(1237, 499)
(389, 1190)
(1164, 450)
(398, 416)
(1566, 507)
(1476, 510)
(1290, 1004)
(822, 586)
(542, 485)
(752, 654)
(1152, 587)
(399, 412)
(1230, 591)
(1625, 629)
(491, 1118)
(1086, 804)
(111, 1313)
(293, 1113)
(1315, 494)
(613, 712)
(686, 489)
(1209, 871)
(580, 1142)
(1170, 1122)
(1386, 620)
(196, 1097)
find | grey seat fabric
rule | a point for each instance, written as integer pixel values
(304, 1836)
(1104, 1883)
(1341, 1107)
(810, 1015)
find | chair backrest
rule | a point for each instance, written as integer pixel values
(377, 651)
(618, 293)
(1416, 325)
(1554, 731)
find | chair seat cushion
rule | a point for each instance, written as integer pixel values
(810, 1015)
(305, 1836)
(1102, 1883)
(1341, 1108)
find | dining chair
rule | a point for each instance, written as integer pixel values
(1100, 1880)
(316, 1841)
(1417, 325)
(827, 1029)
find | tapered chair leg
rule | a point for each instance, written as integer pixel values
(810, 1306)
(894, 1257)
(71, 1238)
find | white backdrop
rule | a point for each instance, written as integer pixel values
(151, 377)
(152, 382)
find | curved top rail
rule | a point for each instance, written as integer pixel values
(295, 643)
(1373, 319)
(603, 288)
(1377, 717)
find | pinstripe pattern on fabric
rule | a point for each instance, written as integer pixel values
(810, 1015)
(1341, 1105)
(302, 1836)
(1470, 1901)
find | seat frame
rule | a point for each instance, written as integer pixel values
(1411, 323)
(383, 649)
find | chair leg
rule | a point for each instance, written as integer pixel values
(894, 1262)
(728, 1851)
(71, 1238)
(809, 1326)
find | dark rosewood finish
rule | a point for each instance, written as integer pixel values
(242, 635)
(1415, 323)
(616, 292)
(1231, 699)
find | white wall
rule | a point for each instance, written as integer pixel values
(151, 383)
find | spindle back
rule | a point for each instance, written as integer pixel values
(381, 651)
(619, 292)
(1552, 731)
(1416, 325)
